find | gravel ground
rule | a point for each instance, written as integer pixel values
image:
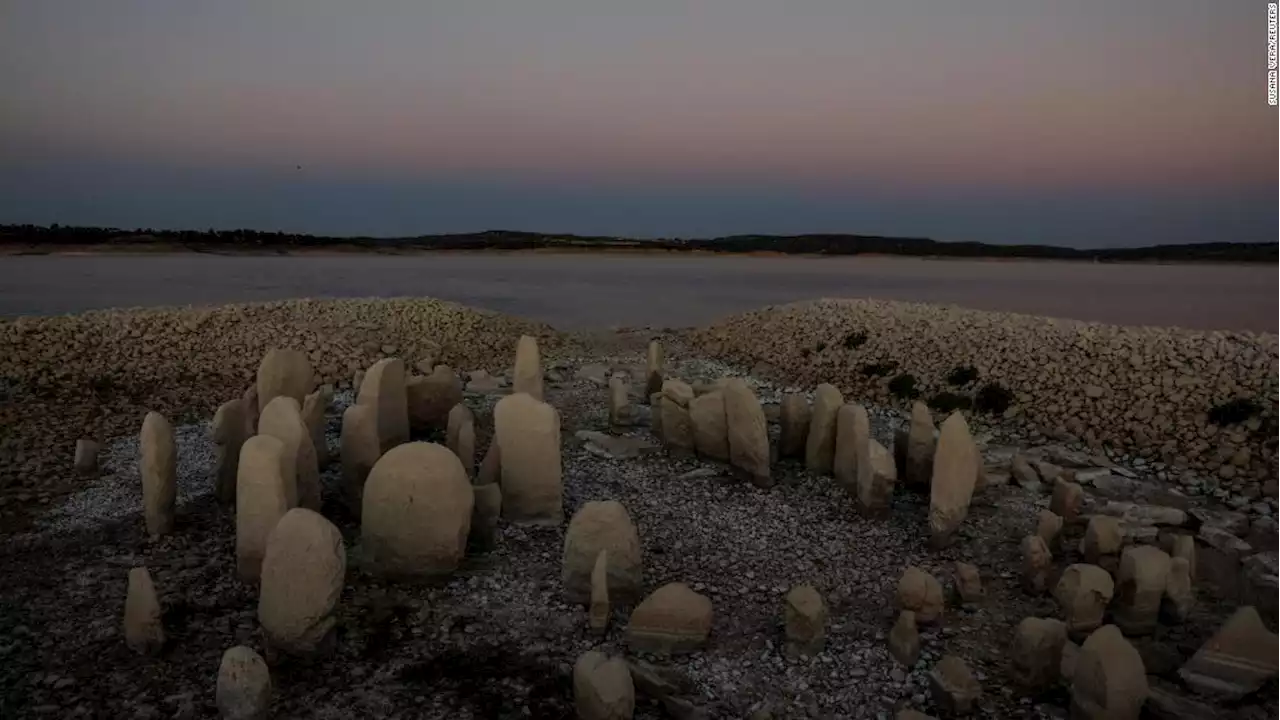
(496, 640)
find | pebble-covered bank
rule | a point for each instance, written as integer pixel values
(1139, 390)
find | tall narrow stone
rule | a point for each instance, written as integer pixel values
(921, 444)
(621, 413)
(955, 471)
(654, 368)
(460, 436)
(1110, 681)
(748, 434)
(1140, 584)
(282, 419)
(303, 573)
(820, 445)
(314, 407)
(261, 500)
(677, 426)
(904, 639)
(527, 377)
(230, 428)
(1179, 592)
(383, 388)
(159, 465)
(1037, 563)
(599, 610)
(284, 371)
(710, 426)
(528, 435)
(794, 425)
(86, 457)
(490, 470)
(876, 478)
(143, 630)
(482, 537)
(360, 451)
(853, 429)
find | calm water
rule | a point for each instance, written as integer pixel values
(597, 291)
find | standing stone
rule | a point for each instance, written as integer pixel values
(602, 688)
(710, 426)
(86, 458)
(244, 685)
(416, 512)
(230, 428)
(955, 471)
(748, 434)
(1184, 546)
(794, 425)
(1083, 592)
(820, 445)
(485, 512)
(313, 410)
(360, 450)
(1110, 681)
(143, 631)
(284, 372)
(677, 426)
(921, 444)
(1023, 473)
(460, 436)
(303, 574)
(904, 639)
(805, 619)
(920, 592)
(1179, 593)
(876, 477)
(430, 399)
(251, 410)
(853, 429)
(673, 619)
(159, 464)
(599, 610)
(282, 419)
(1037, 563)
(261, 500)
(528, 435)
(654, 371)
(1103, 538)
(621, 414)
(968, 584)
(527, 377)
(1049, 527)
(1236, 661)
(953, 686)
(1067, 499)
(1140, 584)
(602, 525)
(383, 389)
(1035, 655)
(490, 471)
(655, 414)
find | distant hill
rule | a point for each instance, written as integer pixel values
(35, 238)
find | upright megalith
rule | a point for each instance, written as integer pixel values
(677, 426)
(433, 397)
(527, 432)
(793, 421)
(1083, 592)
(1037, 563)
(416, 513)
(603, 688)
(1140, 585)
(261, 500)
(284, 371)
(621, 413)
(876, 478)
(383, 388)
(244, 685)
(820, 445)
(303, 573)
(804, 618)
(360, 451)
(921, 444)
(282, 419)
(230, 430)
(527, 377)
(748, 433)
(485, 511)
(602, 526)
(314, 406)
(955, 471)
(921, 593)
(654, 368)
(853, 429)
(710, 426)
(1035, 654)
(143, 629)
(1110, 680)
(86, 457)
(460, 436)
(672, 619)
(159, 464)
(600, 608)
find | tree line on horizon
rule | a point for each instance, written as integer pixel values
(808, 244)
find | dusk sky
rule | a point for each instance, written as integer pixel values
(1086, 123)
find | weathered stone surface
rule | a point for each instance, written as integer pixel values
(230, 430)
(820, 445)
(968, 583)
(261, 500)
(793, 419)
(602, 525)
(528, 436)
(673, 619)
(1023, 473)
(621, 412)
(303, 574)
(876, 478)
(284, 372)
(431, 398)
(1103, 536)
(1037, 563)
(853, 430)
(282, 419)
(1236, 661)
(615, 447)
(527, 377)
(805, 621)
(748, 434)
(1035, 655)
(1260, 584)
(460, 437)
(1140, 584)
(1184, 546)
(490, 470)
(1219, 555)
(360, 450)
(602, 688)
(955, 470)
(1140, 514)
(655, 414)
(921, 444)
(1049, 527)
(1236, 523)
(143, 630)
(244, 685)
(920, 592)
(485, 511)
(86, 457)
(158, 461)
(599, 611)
(710, 426)
(314, 406)
(904, 639)
(1179, 592)
(677, 426)
(1083, 592)
(953, 686)
(654, 370)
(383, 388)
(1070, 654)
(1109, 681)
(417, 512)
(1067, 499)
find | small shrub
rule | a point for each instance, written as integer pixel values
(993, 399)
(855, 339)
(879, 369)
(962, 375)
(945, 402)
(821, 346)
(903, 387)
(1233, 411)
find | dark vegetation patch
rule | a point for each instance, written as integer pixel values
(962, 375)
(855, 339)
(946, 402)
(903, 387)
(1233, 411)
(879, 369)
(993, 399)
